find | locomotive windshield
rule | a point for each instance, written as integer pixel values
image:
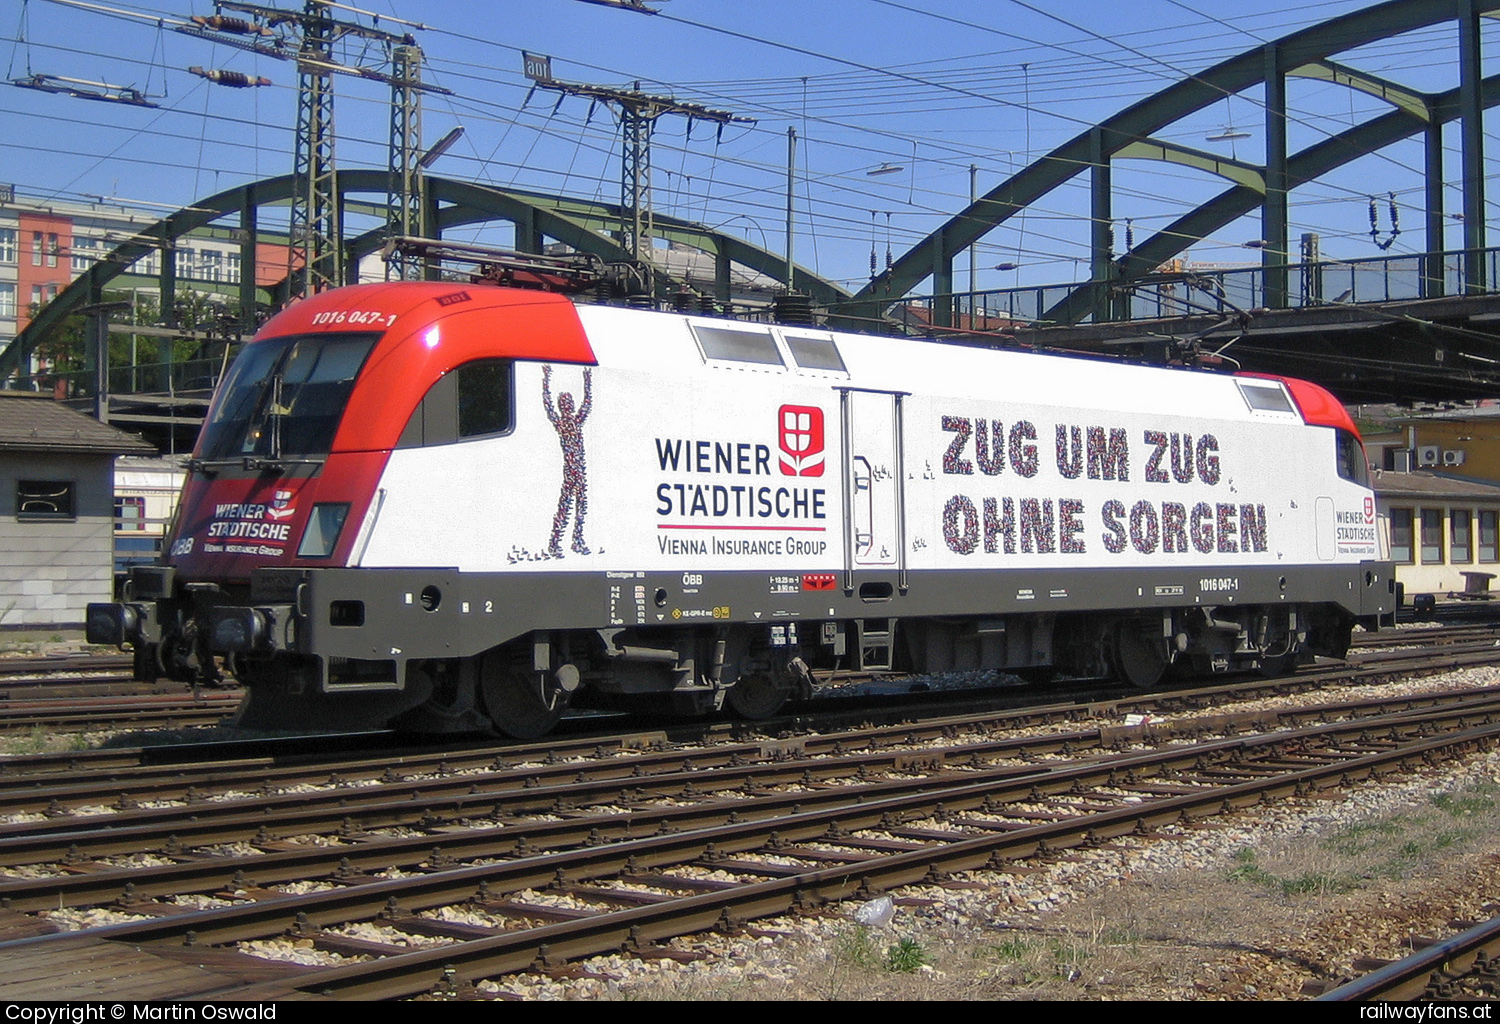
(285, 397)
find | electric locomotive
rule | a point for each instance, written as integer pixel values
(442, 506)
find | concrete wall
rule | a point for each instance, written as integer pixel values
(50, 569)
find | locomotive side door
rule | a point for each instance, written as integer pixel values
(874, 489)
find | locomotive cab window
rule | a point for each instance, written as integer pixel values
(285, 396)
(1350, 458)
(474, 400)
(746, 346)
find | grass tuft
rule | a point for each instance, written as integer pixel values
(906, 956)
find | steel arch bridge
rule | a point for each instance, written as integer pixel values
(579, 223)
(1129, 135)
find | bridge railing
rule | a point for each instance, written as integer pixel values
(1225, 290)
(186, 376)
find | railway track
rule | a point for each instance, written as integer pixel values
(83, 677)
(114, 713)
(93, 693)
(1436, 635)
(275, 758)
(626, 850)
(1464, 967)
(11, 668)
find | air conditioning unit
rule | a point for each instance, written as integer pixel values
(1429, 455)
(1453, 457)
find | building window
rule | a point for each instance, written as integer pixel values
(85, 252)
(183, 262)
(36, 297)
(44, 499)
(36, 248)
(8, 245)
(1401, 535)
(213, 265)
(233, 273)
(7, 302)
(53, 248)
(1432, 536)
(1460, 536)
(1489, 534)
(130, 513)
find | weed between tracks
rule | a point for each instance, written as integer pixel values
(45, 741)
(1389, 847)
(1235, 911)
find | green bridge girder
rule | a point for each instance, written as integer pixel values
(1232, 203)
(1129, 135)
(575, 222)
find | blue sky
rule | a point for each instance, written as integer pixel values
(932, 87)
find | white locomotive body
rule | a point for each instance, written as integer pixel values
(464, 507)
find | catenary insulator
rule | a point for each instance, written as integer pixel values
(234, 79)
(237, 26)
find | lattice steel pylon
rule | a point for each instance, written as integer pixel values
(404, 215)
(315, 221)
(638, 114)
(315, 231)
(636, 124)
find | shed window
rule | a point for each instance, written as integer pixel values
(45, 499)
(1460, 536)
(1401, 536)
(747, 346)
(1432, 536)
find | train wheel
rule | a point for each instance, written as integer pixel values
(1140, 658)
(756, 697)
(513, 699)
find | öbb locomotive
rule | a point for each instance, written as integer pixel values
(442, 506)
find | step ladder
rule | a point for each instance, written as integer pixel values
(877, 643)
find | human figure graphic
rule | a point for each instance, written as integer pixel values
(575, 483)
